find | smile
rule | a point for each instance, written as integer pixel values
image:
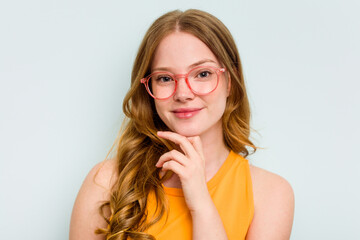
(186, 112)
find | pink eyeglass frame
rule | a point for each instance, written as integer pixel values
(145, 80)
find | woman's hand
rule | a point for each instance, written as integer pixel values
(189, 165)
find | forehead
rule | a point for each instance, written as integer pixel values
(179, 50)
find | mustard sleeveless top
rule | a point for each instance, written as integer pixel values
(231, 191)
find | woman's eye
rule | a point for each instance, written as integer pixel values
(204, 74)
(164, 79)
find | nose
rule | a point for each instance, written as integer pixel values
(183, 91)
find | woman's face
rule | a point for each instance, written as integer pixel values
(185, 112)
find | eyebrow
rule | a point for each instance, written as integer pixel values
(198, 63)
(201, 62)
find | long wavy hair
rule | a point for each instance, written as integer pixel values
(138, 148)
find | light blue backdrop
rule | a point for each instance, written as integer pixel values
(65, 67)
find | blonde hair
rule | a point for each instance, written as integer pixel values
(139, 148)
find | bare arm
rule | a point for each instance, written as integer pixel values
(274, 206)
(207, 223)
(85, 218)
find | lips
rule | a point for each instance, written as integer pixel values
(185, 113)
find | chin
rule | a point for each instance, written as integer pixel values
(188, 132)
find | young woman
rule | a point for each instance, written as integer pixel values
(180, 170)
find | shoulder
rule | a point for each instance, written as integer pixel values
(95, 190)
(100, 179)
(274, 206)
(104, 173)
(265, 182)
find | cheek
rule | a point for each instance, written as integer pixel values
(223, 93)
(220, 103)
(217, 104)
(160, 109)
(220, 107)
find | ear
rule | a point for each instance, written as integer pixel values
(229, 84)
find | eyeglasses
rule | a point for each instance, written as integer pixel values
(201, 80)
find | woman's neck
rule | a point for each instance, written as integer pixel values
(215, 151)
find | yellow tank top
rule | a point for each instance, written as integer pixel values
(231, 191)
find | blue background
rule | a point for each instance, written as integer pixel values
(65, 67)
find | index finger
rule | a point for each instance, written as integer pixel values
(184, 143)
(197, 144)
